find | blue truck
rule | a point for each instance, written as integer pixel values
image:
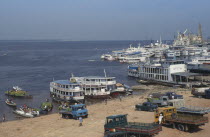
(74, 111)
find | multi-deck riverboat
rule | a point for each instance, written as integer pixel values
(96, 86)
(66, 90)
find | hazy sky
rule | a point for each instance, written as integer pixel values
(101, 19)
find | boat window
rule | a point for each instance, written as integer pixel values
(103, 80)
(67, 86)
(164, 99)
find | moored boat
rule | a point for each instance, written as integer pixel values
(66, 91)
(46, 106)
(28, 113)
(10, 103)
(18, 92)
(96, 87)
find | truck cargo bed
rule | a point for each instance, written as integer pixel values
(143, 128)
(188, 119)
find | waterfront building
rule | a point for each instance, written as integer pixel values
(173, 72)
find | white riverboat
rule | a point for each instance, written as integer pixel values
(133, 59)
(97, 87)
(66, 90)
(170, 54)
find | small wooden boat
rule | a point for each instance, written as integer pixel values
(11, 103)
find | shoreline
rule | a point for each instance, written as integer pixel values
(53, 125)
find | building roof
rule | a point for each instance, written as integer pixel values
(65, 82)
(186, 74)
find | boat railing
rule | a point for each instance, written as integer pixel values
(99, 83)
(67, 89)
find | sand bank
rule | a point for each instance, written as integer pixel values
(54, 126)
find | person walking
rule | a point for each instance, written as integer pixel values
(4, 118)
(120, 98)
(80, 121)
(105, 101)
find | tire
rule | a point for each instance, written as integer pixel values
(181, 127)
(66, 116)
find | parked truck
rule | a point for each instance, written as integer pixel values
(173, 95)
(170, 95)
(201, 92)
(146, 106)
(181, 121)
(74, 111)
(118, 126)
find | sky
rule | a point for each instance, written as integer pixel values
(101, 19)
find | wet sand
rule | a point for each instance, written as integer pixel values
(54, 126)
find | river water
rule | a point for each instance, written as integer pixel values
(32, 65)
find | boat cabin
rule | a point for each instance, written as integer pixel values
(66, 90)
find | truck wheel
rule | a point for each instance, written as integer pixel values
(67, 116)
(139, 109)
(180, 127)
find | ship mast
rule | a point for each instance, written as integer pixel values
(200, 32)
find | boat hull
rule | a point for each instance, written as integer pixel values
(11, 104)
(97, 96)
(21, 113)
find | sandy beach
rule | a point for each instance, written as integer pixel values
(54, 126)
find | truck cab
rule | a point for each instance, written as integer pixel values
(114, 121)
(161, 101)
(166, 112)
(75, 111)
